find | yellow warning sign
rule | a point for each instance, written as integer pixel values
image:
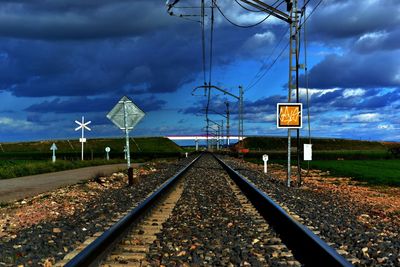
(289, 115)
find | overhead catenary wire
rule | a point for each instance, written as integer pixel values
(258, 10)
(248, 9)
(253, 82)
(306, 83)
(312, 12)
(203, 44)
(245, 26)
(211, 41)
(271, 65)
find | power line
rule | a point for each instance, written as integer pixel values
(312, 11)
(211, 41)
(251, 10)
(245, 26)
(306, 76)
(203, 44)
(250, 85)
(270, 66)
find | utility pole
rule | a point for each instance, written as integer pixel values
(293, 20)
(293, 83)
(240, 117)
(222, 133)
(227, 122)
(240, 109)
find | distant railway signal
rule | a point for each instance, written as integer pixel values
(82, 126)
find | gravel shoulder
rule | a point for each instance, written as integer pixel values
(48, 226)
(364, 232)
(23, 187)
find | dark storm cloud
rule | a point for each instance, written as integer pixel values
(159, 62)
(371, 100)
(346, 19)
(355, 71)
(121, 67)
(322, 102)
(84, 104)
(378, 41)
(76, 19)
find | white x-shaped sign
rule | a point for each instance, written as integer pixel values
(82, 124)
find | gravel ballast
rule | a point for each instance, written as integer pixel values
(50, 240)
(351, 228)
(210, 227)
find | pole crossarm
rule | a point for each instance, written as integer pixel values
(218, 124)
(268, 9)
(217, 88)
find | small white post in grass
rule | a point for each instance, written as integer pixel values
(108, 149)
(54, 148)
(265, 159)
(186, 154)
(83, 126)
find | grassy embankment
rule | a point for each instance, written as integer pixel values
(28, 158)
(365, 161)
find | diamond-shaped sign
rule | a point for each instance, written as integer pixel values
(125, 112)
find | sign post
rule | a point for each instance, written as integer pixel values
(108, 149)
(265, 159)
(83, 126)
(289, 116)
(125, 115)
(54, 148)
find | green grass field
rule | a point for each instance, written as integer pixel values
(374, 172)
(144, 147)
(319, 144)
(29, 158)
(19, 168)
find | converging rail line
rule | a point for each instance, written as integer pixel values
(208, 214)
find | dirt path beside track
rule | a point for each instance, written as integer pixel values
(22, 187)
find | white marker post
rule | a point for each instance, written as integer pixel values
(54, 148)
(197, 144)
(83, 126)
(186, 154)
(108, 151)
(307, 152)
(265, 159)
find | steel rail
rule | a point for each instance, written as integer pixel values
(307, 247)
(94, 253)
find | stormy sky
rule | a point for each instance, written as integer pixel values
(63, 59)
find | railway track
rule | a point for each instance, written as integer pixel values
(208, 215)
